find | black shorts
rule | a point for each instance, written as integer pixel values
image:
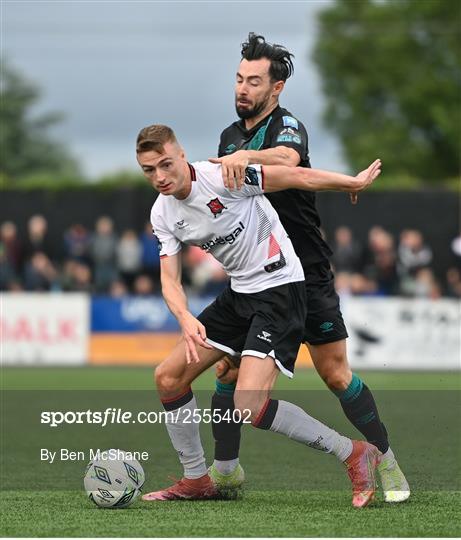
(324, 321)
(267, 323)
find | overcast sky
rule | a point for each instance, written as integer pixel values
(114, 67)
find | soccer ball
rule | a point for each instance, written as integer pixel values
(113, 479)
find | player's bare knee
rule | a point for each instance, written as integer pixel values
(240, 401)
(338, 377)
(249, 403)
(167, 383)
(331, 363)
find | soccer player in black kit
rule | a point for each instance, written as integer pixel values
(270, 135)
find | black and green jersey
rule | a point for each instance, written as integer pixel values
(295, 208)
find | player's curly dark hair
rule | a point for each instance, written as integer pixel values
(257, 47)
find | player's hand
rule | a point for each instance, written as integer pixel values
(354, 198)
(194, 334)
(233, 168)
(365, 178)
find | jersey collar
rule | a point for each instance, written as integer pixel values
(192, 172)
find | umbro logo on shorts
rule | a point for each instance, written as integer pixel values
(326, 326)
(265, 336)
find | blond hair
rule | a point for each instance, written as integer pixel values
(153, 138)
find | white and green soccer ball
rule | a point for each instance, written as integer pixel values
(114, 479)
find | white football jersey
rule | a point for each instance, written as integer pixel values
(240, 228)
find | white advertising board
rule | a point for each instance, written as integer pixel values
(398, 333)
(44, 329)
(384, 333)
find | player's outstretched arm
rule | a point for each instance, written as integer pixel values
(193, 330)
(278, 178)
(234, 165)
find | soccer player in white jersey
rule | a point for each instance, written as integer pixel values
(259, 317)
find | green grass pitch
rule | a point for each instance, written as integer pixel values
(292, 491)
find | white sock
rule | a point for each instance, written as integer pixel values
(389, 454)
(185, 437)
(226, 467)
(292, 421)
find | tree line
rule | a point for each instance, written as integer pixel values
(391, 75)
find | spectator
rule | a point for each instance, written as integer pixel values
(426, 285)
(103, 253)
(129, 256)
(7, 274)
(414, 256)
(354, 285)
(453, 288)
(67, 279)
(12, 248)
(413, 253)
(375, 240)
(143, 286)
(150, 253)
(77, 243)
(362, 285)
(347, 253)
(82, 278)
(40, 274)
(206, 274)
(15, 286)
(37, 240)
(382, 268)
(135, 259)
(76, 276)
(118, 289)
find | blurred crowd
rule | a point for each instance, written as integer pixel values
(100, 261)
(389, 267)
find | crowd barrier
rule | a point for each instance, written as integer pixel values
(76, 329)
(44, 329)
